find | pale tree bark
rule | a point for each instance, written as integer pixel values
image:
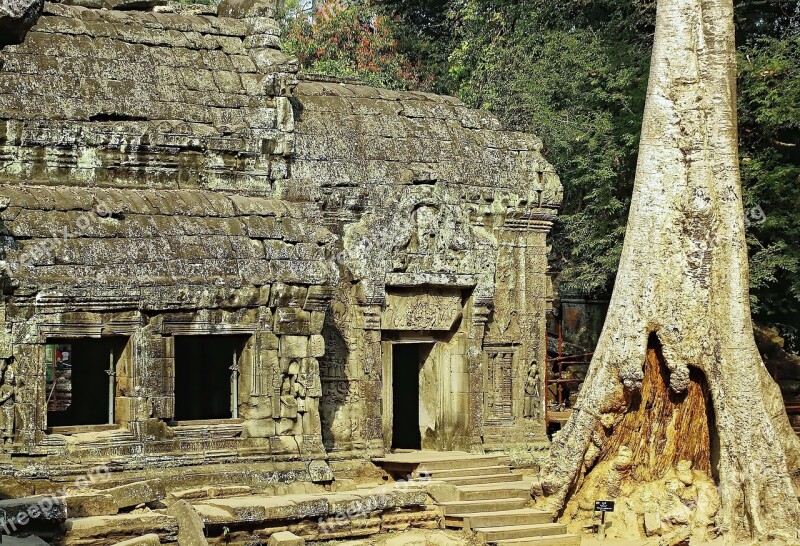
(683, 278)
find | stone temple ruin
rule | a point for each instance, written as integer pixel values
(214, 265)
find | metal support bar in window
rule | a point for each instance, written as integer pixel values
(235, 386)
(112, 385)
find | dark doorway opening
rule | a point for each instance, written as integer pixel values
(80, 381)
(206, 376)
(406, 363)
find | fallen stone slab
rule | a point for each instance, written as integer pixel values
(191, 530)
(13, 488)
(144, 540)
(246, 509)
(209, 492)
(260, 508)
(105, 530)
(134, 494)
(285, 538)
(82, 506)
(24, 541)
(20, 512)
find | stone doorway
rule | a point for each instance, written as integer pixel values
(405, 414)
(406, 365)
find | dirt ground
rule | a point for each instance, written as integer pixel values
(417, 537)
(411, 537)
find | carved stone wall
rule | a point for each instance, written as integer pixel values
(443, 220)
(166, 175)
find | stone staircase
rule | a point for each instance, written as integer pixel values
(480, 493)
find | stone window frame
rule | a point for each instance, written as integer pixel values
(173, 329)
(49, 333)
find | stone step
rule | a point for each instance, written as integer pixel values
(482, 506)
(488, 478)
(492, 491)
(493, 534)
(461, 472)
(555, 540)
(438, 461)
(506, 518)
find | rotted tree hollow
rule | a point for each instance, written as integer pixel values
(662, 427)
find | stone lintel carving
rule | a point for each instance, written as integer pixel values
(70, 330)
(422, 309)
(455, 280)
(126, 326)
(55, 303)
(207, 328)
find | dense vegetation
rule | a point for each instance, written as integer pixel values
(575, 73)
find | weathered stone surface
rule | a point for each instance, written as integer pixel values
(125, 496)
(132, 4)
(16, 18)
(190, 525)
(241, 9)
(79, 506)
(166, 173)
(319, 471)
(285, 538)
(104, 530)
(652, 524)
(24, 510)
(144, 540)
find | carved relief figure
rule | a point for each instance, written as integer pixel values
(293, 392)
(8, 384)
(420, 246)
(532, 395)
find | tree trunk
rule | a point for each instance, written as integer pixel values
(682, 296)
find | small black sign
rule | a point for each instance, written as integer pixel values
(604, 506)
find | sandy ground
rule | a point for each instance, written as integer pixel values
(417, 537)
(411, 537)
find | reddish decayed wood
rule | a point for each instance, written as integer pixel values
(662, 427)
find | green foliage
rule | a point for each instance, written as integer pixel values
(575, 73)
(350, 40)
(769, 117)
(576, 77)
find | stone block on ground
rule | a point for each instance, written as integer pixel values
(24, 541)
(286, 538)
(34, 508)
(191, 529)
(81, 506)
(136, 493)
(652, 524)
(113, 529)
(144, 540)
